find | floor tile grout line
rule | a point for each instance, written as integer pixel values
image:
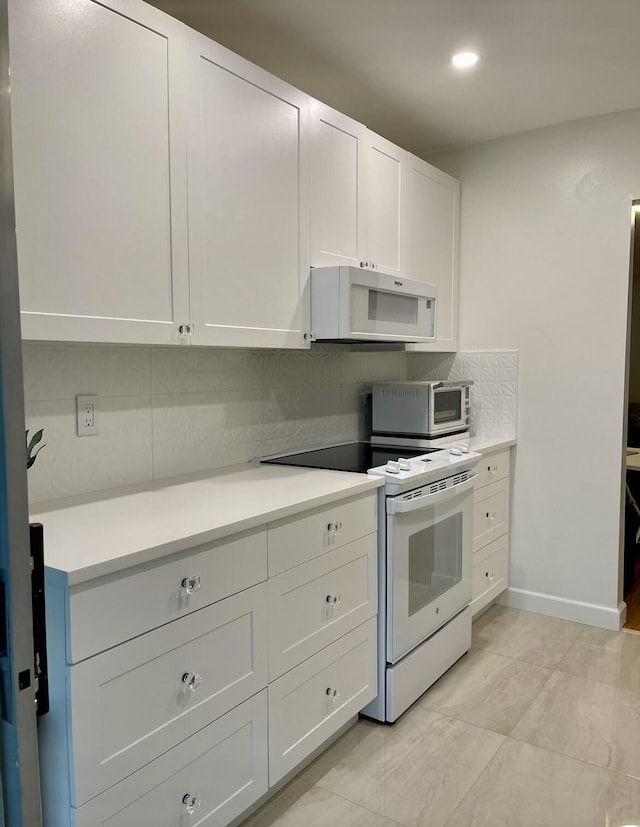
(362, 806)
(573, 758)
(505, 738)
(533, 700)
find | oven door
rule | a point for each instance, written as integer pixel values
(429, 560)
(448, 408)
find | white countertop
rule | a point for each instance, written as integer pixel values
(88, 537)
(489, 444)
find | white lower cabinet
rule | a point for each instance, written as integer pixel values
(313, 604)
(216, 773)
(490, 529)
(490, 572)
(135, 701)
(159, 687)
(312, 701)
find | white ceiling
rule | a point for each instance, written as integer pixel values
(386, 62)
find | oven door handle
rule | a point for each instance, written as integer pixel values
(452, 383)
(398, 505)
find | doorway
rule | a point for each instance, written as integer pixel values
(631, 554)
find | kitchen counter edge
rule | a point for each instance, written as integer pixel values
(73, 525)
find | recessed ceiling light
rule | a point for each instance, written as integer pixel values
(465, 60)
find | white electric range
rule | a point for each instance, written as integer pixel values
(425, 514)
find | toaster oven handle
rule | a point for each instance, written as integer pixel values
(398, 505)
(452, 384)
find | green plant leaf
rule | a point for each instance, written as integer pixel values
(35, 439)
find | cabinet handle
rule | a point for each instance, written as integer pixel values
(191, 584)
(192, 680)
(333, 599)
(191, 802)
(333, 693)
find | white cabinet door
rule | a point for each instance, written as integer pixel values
(431, 243)
(138, 700)
(314, 604)
(338, 173)
(220, 771)
(312, 701)
(248, 203)
(100, 172)
(385, 204)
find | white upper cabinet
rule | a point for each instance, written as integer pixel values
(357, 194)
(99, 169)
(248, 203)
(338, 175)
(385, 205)
(431, 243)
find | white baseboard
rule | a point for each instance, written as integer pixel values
(547, 604)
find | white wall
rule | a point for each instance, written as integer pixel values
(544, 269)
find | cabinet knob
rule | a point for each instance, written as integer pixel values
(192, 680)
(184, 329)
(333, 599)
(191, 802)
(490, 575)
(491, 515)
(335, 528)
(364, 264)
(333, 693)
(372, 265)
(191, 584)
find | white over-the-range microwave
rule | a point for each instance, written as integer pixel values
(359, 305)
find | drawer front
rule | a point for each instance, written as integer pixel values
(490, 513)
(151, 595)
(314, 604)
(493, 467)
(296, 540)
(223, 767)
(136, 701)
(490, 573)
(312, 701)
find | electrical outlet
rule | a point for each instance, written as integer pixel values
(87, 415)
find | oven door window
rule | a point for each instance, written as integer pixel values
(435, 562)
(429, 561)
(447, 406)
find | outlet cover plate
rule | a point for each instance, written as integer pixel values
(87, 415)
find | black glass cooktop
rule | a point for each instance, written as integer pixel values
(354, 456)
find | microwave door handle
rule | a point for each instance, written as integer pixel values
(452, 384)
(397, 505)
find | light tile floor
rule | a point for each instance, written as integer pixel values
(538, 725)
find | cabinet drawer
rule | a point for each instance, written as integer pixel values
(490, 513)
(493, 467)
(224, 765)
(303, 709)
(296, 540)
(314, 604)
(134, 702)
(114, 609)
(490, 573)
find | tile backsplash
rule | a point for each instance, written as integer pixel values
(494, 393)
(168, 411)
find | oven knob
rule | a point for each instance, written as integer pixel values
(405, 464)
(392, 467)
